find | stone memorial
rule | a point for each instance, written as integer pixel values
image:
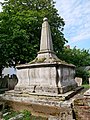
(45, 83)
(46, 73)
(89, 80)
(78, 81)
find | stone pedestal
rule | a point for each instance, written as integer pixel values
(46, 73)
(46, 78)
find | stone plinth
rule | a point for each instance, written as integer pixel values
(50, 105)
(46, 78)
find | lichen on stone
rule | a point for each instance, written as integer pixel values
(38, 60)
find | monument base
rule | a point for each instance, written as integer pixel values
(40, 98)
(50, 105)
(53, 77)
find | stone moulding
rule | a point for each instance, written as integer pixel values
(44, 64)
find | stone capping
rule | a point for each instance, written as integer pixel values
(46, 51)
(55, 64)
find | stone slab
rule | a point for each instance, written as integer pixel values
(37, 98)
(87, 93)
(50, 105)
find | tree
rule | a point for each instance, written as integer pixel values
(80, 58)
(75, 56)
(20, 29)
(81, 72)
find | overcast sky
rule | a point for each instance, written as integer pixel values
(76, 14)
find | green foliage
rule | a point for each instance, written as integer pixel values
(87, 86)
(80, 58)
(76, 56)
(83, 74)
(10, 115)
(26, 115)
(20, 29)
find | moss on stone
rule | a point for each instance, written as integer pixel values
(38, 60)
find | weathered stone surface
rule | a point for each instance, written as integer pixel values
(42, 104)
(63, 116)
(89, 81)
(44, 109)
(54, 78)
(78, 81)
(87, 93)
(82, 108)
(46, 46)
(47, 73)
(12, 81)
(46, 39)
(35, 98)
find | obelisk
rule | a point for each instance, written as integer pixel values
(46, 73)
(46, 45)
(46, 39)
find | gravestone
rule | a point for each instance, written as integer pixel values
(78, 81)
(89, 80)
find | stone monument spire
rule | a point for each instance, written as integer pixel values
(46, 39)
(46, 45)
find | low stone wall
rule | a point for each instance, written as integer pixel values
(82, 108)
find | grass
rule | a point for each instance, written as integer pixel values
(27, 116)
(11, 114)
(86, 86)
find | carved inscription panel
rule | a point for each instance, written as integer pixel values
(45, 76)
